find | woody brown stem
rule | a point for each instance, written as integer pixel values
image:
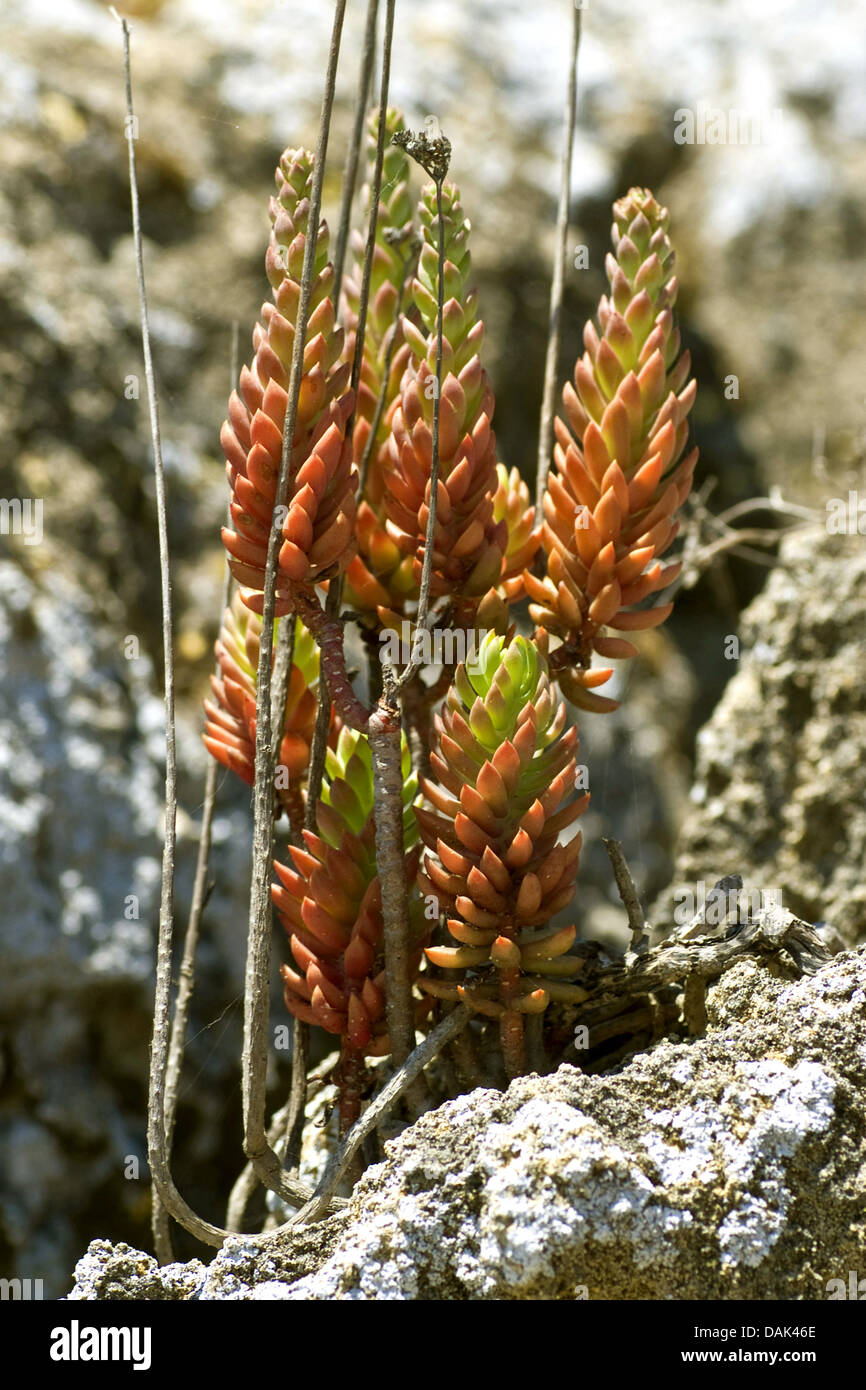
(351, 1079)
(511, 1024)
(328, 632)
(466, 1059)
(383, 732)
(628, 894)
(511, 1042)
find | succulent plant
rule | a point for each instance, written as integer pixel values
(330, 904)
(468, 542)
(230, 730)
(380, 575)
(500, 849)
(610, 509)
(318, 530)
(505, 767)
(512, 505)
(394, 237)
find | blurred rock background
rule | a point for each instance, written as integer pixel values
(771, 252)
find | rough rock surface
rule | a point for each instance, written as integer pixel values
(80, 814)
(727, 1167)
(780, 780)
(79, 808)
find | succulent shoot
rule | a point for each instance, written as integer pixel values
(610, 509)
(380, 575)
(318, 531)
(330, 904)
(230, 731)
(468, 542)
(505, 768)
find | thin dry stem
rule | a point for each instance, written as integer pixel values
(350, 171)
(383, 734)
(628, 894)
(427, 565)
(256, 996)
(158, 1125)
(157, 1143)
(554, 329)
(186, 979)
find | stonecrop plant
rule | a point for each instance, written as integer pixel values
(450, 884)
(405, 655)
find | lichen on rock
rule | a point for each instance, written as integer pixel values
(728, 1167)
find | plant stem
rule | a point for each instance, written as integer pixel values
(256, 993)
(628, 894)
(427, 566)
(383, 734)
(157, 1127)
(352, 1079)
(350, 172)
(186, 977)
(297, 1093)
(554, 326)
(328, 632)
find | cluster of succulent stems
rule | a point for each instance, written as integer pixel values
(416, 832)
(397, 510)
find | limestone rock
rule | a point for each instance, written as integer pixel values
(780, 780)
(729, 1167)
(81, 747)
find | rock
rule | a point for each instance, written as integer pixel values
(81, 748)
(729, 1167)
(780, 780)
(80, 802)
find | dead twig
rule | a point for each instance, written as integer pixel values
(350, 171)
(628, 893)
(267, 1164)
(434, 156)
(699, 555)
(554, 328)
(384, 736)
(186, 977)
(769, 931)
(157, 1126)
